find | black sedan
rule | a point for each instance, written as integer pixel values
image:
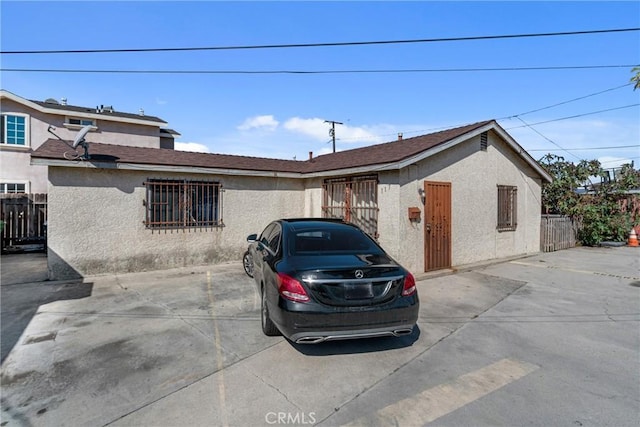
(324, 279)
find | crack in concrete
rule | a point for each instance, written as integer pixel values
(276, 389)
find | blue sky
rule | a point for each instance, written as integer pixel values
(282, 115)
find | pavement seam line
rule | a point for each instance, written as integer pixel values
(219, 359)
(204, 377)
(573, 270)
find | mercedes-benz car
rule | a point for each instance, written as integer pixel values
(322, 279)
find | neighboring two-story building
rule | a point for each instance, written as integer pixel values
(26, 124)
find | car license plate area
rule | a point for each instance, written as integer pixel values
(358, 291)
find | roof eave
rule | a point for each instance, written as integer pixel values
(522, 153)
(81, 163)
(471, 134)
(63, 112)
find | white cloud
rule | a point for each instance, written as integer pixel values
(191, 146)
(318, 129)
(267, 122)
(315, 128)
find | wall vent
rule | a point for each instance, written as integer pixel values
(483, 141)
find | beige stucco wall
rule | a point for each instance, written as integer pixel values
(96, 215)
(95, 223)
(15, 161)
(474, 176)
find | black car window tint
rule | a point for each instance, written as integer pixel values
(336, 240)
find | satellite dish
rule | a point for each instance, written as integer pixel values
(80, 136)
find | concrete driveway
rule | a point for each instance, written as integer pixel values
(551, 339)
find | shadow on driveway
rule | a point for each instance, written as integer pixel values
(24, 289)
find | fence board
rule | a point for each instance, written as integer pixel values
(24, 218)
(557, 232)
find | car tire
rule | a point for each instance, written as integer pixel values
(247, 263)
(268, 326)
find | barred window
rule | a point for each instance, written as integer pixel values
(507, 207)
(353, 199)
(183, 204)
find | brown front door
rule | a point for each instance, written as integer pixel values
(437, 226)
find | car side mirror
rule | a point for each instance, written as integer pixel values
(252, 238)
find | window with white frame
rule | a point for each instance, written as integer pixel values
(75, 121)
(13, 187)
(15, 129)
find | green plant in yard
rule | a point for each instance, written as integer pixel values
(598, 210)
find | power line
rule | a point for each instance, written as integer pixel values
(517, 116)
(588, 148)
(380, 71)
(567, 102)
(548, 139)
(617, 161)
(326, 44)
(572, 117)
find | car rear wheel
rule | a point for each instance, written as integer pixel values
(268, 327)
(247, 263)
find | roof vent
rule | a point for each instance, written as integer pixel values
(400, 136)
(105, 109)
(63, 101)
(141, 112)
(51, 101)
(483, 141)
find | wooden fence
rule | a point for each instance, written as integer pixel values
(24, 221)
(557, 232)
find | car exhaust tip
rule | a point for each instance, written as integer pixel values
(402, 332)
(310, 340)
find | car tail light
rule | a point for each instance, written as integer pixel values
(409, 287)
(291, 289)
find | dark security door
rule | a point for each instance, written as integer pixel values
(437, 226)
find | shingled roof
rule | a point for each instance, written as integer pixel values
(51, 106)
(105, 112)
(389, 152)
(381, 154)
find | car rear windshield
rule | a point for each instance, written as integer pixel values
(331, 241)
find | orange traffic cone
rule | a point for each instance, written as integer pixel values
(633, 238)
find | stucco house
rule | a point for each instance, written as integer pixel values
(435, 201)
(26, 124)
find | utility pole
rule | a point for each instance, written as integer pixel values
(332, 131)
